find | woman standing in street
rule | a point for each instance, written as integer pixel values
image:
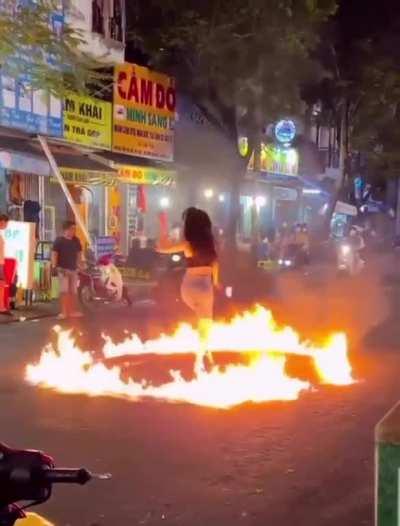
(202, 272)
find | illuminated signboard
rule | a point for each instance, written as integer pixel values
(144, 112)
(20, 244)
(285, 131)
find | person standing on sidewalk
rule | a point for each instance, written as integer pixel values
(66, 258)
(3, 226)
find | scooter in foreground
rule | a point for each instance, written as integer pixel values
(29, 476)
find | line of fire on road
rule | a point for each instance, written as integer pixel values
(262, 373)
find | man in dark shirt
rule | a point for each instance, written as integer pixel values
(66, 258)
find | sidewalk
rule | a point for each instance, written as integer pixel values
(42, 310)
(37, 311)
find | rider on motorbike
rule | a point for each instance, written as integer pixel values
(349, 255)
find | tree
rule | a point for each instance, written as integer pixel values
(33, 49)
(244, 62)
(360, 94)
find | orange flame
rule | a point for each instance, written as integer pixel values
(68, 369)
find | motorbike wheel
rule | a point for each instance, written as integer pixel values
(86, 297)
(125, 296)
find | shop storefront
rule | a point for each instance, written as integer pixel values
(108, 170)
(144, 194)
(34, 198)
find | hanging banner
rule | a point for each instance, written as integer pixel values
(126, 174)
(145, 175)
(91, 177)
(114, 214)
(87, 121)
(144, 112)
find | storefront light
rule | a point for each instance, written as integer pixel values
(260, 201)
(164, 202)
(209, 193)
(292, 157)
(311, 191)
(221, 198)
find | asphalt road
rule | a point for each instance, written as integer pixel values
(308, 462)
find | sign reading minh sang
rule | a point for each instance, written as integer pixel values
(87, 121)
(144, 112)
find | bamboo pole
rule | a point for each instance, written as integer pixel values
(67, 193)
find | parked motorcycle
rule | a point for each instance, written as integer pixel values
(102, 284)
(28, 476)
(294, 256)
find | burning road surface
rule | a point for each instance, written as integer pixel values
(253, 335)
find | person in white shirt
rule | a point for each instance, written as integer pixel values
(3, 226)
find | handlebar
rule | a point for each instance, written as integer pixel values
(67, 476)
(28, 475)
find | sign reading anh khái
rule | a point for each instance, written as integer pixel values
(144, 112)
(87, 121)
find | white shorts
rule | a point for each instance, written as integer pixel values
(197, 292)
(68, 280)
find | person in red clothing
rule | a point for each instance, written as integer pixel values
(3, 226)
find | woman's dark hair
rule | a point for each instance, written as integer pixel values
(198, 232)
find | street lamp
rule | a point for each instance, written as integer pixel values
(164, 202)
(260, 201)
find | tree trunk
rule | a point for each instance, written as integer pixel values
(342, 146)
(397, 230)
(343, 140)
(234, 262)
(239, 169)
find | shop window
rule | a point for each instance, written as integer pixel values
(97, 17)
(116, 25)
(107, 19)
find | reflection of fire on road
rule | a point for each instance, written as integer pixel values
(263, 376)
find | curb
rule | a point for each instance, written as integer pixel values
(22, 319)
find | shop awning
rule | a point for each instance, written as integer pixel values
(81, 169)
(135, 170)
(20, 153)
(24, 154)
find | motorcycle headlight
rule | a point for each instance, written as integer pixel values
(176, 258)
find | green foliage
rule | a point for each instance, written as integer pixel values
(26, 35)
(364, 77)
(243, 61)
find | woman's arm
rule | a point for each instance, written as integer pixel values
(165, 246)
(215, 274)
